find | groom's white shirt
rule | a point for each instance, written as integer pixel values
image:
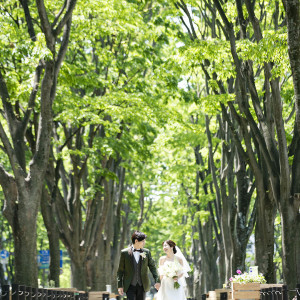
(136, 255)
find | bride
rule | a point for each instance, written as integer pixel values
(173, 269)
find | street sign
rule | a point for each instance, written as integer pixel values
(44, 259)
(4, 255)
(61, 259)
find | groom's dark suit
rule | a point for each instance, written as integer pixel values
(132, 275)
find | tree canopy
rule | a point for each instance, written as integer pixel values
(176, 118)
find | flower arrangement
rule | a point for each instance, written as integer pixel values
(172, 270)
(247, 277)
(143, 255)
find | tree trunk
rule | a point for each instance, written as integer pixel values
(289, 218)
(245, 218)
(78, 279)
(228, 212)
(214, 255)
(264, 230)
(25, 247)
(196, 286)
(98, 270)
(228, 215)
(292, 8)
(297, 242)
(23, 191)
(53, 236)
(107, 258)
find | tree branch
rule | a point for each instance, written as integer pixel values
(60, 57)
(46, 27)
(70, 7)
(10, 195)
(32, 97)
(186, 11)
(40, 158)
(213, 171)
(223, 15)
(18, 171)
(9, 113)
(59, 14)
(4, 176)
(28, 18)
(234, 132)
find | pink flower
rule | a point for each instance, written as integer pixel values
(239, 272)
(231, 278)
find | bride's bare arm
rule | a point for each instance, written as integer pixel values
(161, 262)
(181, 262)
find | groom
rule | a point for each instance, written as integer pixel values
(133, 269)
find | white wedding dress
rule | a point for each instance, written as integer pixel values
(167, 290)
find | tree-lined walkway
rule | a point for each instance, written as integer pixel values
(179, 118)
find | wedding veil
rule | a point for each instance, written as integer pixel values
(186, 267)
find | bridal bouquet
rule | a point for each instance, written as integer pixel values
(172, 270)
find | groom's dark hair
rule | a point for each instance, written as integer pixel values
(137, 235)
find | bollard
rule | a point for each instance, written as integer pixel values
(54, 295)
(50, 295)
(285, 295)
(45, 295)
(34, 294)
(105, 296)
(39, 295)
(263, 294)
(269, 294)
(223, 296)
(278, 293)
(5, 292)
(15, 292)
(22, 290)
(28, 292)
(274, 295)
(298, 291)
(63, 295)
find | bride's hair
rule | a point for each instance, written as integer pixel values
(171, 244)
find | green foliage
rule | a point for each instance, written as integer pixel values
(135, 80)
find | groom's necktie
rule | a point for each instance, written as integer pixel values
(138, 250)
